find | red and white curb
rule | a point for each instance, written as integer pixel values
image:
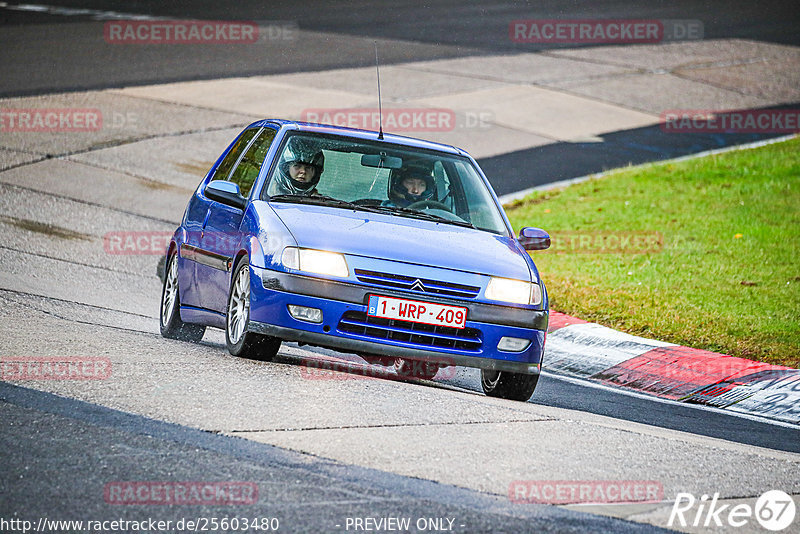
(591, 351)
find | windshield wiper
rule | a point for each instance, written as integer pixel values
(422, 215)
(300, 199)
(322, 200)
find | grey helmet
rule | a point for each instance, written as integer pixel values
(299, 150)
(398, 193)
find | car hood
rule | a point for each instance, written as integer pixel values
(403, 239)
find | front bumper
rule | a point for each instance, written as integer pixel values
(273, 291)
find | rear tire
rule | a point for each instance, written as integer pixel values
(415, 368)
(508, 385)
(170, 322)
(239, 341)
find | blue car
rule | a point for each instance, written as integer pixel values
(392, 248)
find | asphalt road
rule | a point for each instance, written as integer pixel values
(59, 449)
(60, 454)
(562, 161)
(59, 46)
(48, 50)
(320, 451)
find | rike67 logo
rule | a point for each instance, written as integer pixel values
(774, 510)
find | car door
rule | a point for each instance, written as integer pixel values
(193, 251)
(221, 234)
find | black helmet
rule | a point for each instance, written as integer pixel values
(400, 195)
(299, 150)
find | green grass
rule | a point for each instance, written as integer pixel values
(728, 276)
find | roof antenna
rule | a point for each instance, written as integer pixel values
(380, 111)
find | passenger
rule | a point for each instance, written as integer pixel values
(410, 185)
(300, 169)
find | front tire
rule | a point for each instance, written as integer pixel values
(508, 385)
(239, 341)
(170, 322)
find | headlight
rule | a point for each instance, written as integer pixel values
(315, 261)
(515, 291)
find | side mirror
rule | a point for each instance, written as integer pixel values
(226, 193)
(534, 239)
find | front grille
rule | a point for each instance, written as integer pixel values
(419, 285)
(420, 334)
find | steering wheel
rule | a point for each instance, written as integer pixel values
(422, 204)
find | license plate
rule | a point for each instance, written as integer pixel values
(416, 311)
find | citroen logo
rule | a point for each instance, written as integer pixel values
(418, 285)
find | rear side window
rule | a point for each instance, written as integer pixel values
(246, 172)
(225, 166)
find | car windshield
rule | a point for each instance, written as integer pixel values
(375, 176)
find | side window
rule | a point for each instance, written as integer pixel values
(225, 166)
(247, 171)
(474, 203)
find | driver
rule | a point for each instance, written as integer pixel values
(409, 185)
(300, 168)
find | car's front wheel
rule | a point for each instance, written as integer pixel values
(240, 342)
(171, 325)
(508, 385)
